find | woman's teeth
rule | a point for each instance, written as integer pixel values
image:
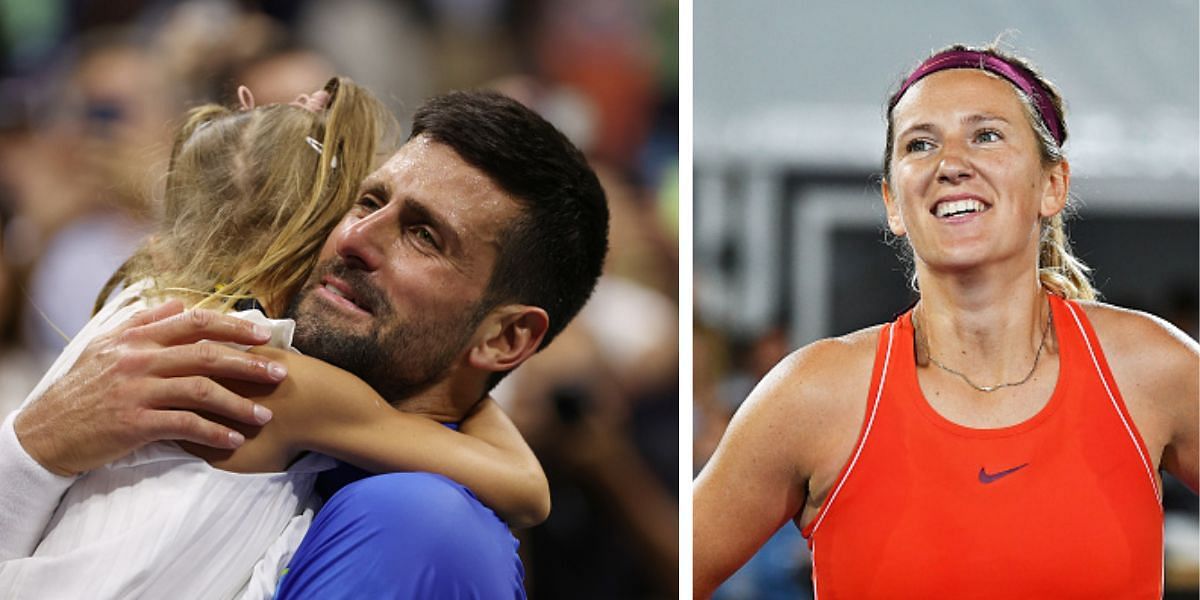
(958, 207)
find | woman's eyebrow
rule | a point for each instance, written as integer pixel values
(981, 117)
(972, 119)
(925, 127)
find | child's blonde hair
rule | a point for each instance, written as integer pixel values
(251, 196)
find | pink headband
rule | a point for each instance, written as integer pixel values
(973, 59)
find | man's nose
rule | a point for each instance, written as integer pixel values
(363, 243)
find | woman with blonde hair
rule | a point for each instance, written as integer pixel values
(1003, 438)
(251, 195)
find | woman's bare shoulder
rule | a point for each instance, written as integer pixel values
(815, 386)
(830, 362)
(1127, 333)
(803, 414)
(1157, 370)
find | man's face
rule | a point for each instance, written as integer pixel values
(396, 294)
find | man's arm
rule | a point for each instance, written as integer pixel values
(27, 498)
(131, 386)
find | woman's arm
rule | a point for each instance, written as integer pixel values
(750, 487)
(1181, 376)
(323, 408)
(1175, 393)
(1157, 370)
(781, 453)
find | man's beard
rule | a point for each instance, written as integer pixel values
(398, 358)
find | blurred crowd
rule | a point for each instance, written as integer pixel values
(90, 92)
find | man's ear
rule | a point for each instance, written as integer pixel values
(508, 336)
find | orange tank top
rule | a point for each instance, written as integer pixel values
(1062, 505)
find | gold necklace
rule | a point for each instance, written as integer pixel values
(992, 388)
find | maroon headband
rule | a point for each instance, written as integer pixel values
(973, 59)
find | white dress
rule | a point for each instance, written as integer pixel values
(158, 523)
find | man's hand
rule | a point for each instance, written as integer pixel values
(141, 383)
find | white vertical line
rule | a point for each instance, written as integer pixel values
(685, 296)
(866, 434)
(816, 591)
(1128, 428)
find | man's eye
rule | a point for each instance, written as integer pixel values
(368, 202)
(425, 236)
(918, 145)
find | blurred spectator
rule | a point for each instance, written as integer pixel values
(116, 111)
(199, 41)
(710, 413)
(382, 45)
(280, 77)
(602, 48)
(18, 371)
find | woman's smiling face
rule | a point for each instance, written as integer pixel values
(967, 181)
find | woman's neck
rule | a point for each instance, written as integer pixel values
(989, 328)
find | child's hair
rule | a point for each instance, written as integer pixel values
(251, 196)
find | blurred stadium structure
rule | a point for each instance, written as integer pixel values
(91, 90)
(788, 222)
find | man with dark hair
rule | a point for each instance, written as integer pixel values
(471, 248)
(548, 250)
(563, 223)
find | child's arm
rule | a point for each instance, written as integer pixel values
(488, 423)
(323, 408)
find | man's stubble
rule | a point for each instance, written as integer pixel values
(399, 357)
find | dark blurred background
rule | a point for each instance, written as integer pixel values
(788, 223)
(90, 92)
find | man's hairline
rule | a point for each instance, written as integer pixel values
(375, 180)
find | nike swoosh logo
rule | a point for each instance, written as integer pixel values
(985, 477)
